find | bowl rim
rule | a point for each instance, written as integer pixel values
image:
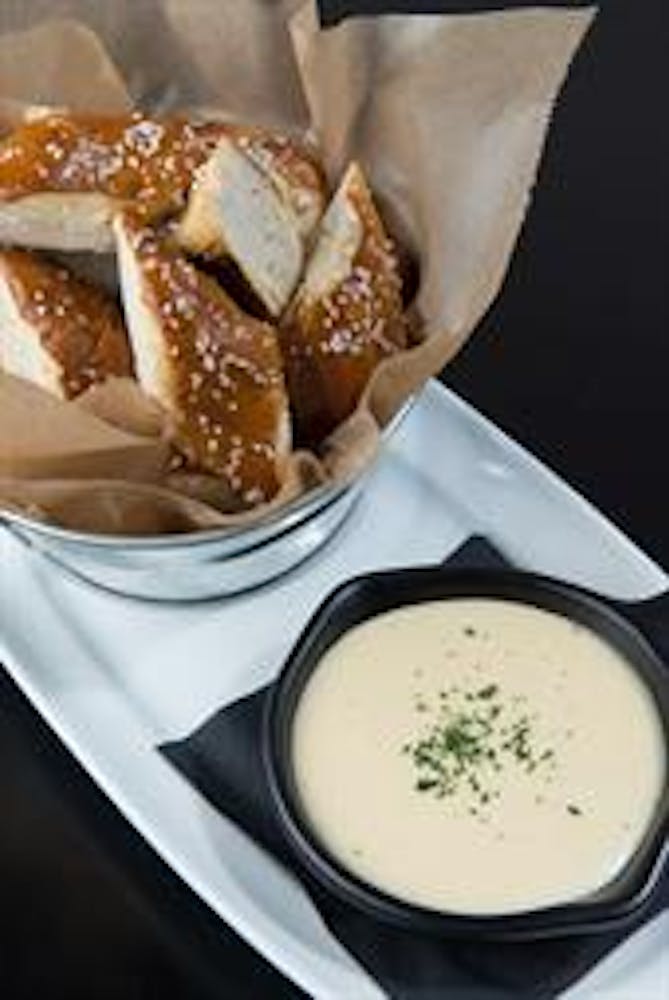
(283, 518)
(608, 907)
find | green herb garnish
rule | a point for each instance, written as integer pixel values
(487, 692)
(473, 736)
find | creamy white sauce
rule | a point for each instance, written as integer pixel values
(572, 795)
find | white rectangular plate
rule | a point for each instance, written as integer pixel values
(116, 677)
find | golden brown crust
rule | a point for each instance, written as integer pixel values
(131, 157)
(226, 389)
(79, 326)
(137, 157)
(332, 344)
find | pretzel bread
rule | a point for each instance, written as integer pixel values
(57, 331)
(256, 200)
(215, 369)
(346, 315)
(63, 176)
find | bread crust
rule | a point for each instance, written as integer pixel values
(57, 330)
(216, 370)
(62, 176)
(347, 314)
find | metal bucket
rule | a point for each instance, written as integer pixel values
(203, 564)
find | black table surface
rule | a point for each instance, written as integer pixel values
(572, 360)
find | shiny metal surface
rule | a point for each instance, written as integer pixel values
(188, 568)
(200, 565)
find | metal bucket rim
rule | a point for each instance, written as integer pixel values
(300, 511)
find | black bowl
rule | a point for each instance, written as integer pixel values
(627, 627)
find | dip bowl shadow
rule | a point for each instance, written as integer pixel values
(634, 629)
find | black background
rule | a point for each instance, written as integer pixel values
(573, 360)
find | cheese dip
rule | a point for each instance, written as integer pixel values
(478, 756)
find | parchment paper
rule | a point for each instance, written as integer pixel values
(447, 114)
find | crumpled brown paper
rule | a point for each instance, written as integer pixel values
(448, 115)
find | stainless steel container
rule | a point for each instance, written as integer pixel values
(199, 565)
